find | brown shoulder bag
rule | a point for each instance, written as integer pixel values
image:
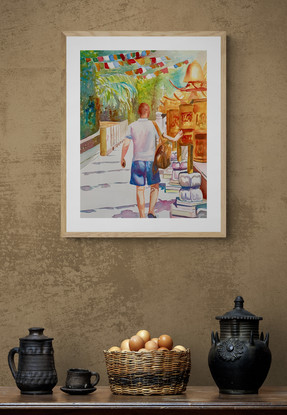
(162, 152)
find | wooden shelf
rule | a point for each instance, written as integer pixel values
(195, 401)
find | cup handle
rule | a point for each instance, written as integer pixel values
(11, 361)
(97, 376)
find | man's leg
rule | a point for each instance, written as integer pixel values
(154, 190)
(141, 201)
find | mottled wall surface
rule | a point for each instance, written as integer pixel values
(91, 293)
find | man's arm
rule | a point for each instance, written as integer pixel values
(125, 148)
(176, 138)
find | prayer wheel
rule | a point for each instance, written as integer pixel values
(186, 140)
(200, 110)
(186, 117)
(186, 124)
(200, 147)
(172, 122)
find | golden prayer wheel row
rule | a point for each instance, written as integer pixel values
(192, 120)
(187, 117)
(199, 142)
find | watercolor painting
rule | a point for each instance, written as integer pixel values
(132, 102)
(144, 134)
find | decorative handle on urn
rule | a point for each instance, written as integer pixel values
(97, 376)
(11, 361)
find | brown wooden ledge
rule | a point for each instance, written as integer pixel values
(196, 400)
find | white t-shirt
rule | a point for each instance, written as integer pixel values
(144, 136)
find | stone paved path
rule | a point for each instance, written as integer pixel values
(106, 192)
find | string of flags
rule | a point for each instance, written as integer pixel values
(152, 62)
(129, 57)
(158, 72)
(141, 59)
(141, 70)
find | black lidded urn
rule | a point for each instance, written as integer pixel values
(36, 374)
(239, 360)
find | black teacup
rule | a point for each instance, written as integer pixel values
(81, 379)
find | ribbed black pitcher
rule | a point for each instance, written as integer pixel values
(36, 374)
(239, 360)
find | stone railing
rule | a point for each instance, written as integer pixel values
(111, 135)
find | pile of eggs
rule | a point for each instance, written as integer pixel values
(142, 342)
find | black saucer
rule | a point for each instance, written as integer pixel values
(77, 391)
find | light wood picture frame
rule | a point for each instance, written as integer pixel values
(181, 76)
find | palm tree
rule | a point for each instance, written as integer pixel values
(116, 93)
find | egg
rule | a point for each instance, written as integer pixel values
(179, 348)
(155, 339)
(114, 349)
(125, 345)
(162, 349)
(136, 342)
(143, 350)
(165, 341)
(144, 334)
(151, 345)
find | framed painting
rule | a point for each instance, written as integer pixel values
(144, 134)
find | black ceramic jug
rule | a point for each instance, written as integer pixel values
(36, 374)
(239, 361)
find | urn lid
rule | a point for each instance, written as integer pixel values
(238, 313)
(36, 334)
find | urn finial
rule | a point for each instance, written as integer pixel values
(238, 302)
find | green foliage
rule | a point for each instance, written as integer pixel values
(151, 91)
(116, 92)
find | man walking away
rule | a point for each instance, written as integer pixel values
(144, 135)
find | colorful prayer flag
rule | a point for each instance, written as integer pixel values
(141, 61)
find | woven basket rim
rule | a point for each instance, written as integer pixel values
(149, 351)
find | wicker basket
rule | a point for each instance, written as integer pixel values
(148, 373)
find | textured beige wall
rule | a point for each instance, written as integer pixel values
(90, 294)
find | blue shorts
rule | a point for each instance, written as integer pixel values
(141, 172)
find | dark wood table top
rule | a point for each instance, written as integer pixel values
(195, 400)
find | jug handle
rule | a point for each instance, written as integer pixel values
(11, 361)
(97, 378)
